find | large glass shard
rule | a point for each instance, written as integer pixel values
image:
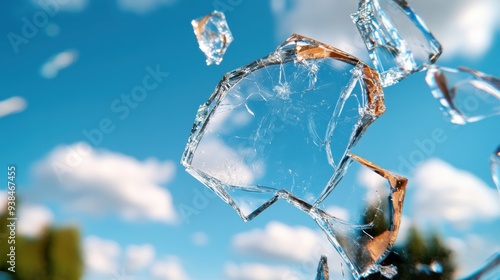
(283, 125)
(490, 271)
(374, 206)
(397, 40)
(495, 168)
(213, 35)
(465, 95)
(323, 271)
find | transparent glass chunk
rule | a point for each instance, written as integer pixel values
(465, 95)
(283, 125)
(213, 35)
(322, 271)
(490, 271)
(363, 236)
(397, 40)
(495, 168)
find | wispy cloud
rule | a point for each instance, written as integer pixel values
(142, 7)
(62, 5)
(199, 238)
(169, 268)
(471, 252)
(50, 69)
(251, 271)
(104, 182)
(138, 257)
(445, 193)
(12, 105)
(465, 28)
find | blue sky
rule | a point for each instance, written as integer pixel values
(72, 70)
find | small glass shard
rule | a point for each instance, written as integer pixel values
(283, 125)
(465, 95)
(389, 271)
(322, 271)
(495, 168)
(433, 267)
(213, 35)
(490, 271)
(364, 238)
(397, 40)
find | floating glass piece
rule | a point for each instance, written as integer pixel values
(495, 168)
(283, 125)
(374, 204)
(433, 267)
(490, 271)
(213, 35)
(323, 272)
(465, 95)
(397, 40)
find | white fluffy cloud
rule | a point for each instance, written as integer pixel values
(102, 182)
(33, 219)
(143, 6)
(446, 193)
(463, 27)
(324, 20)
(225, 163)
(338, 212)
(369, 179)
(169, 268)
(138, 257)
(279, 241)
(251, 271)
(50, 69)
(62, 5)
(100, 255)
(15, 104)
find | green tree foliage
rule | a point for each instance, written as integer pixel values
(56, 255)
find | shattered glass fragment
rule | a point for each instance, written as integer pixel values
(397, 40)
(433, 267)
(490, 271)
(364, 237)
(465, 95)
(213, 35)
(495, 168)
(283, 125)
(322, 271)
(389, 271)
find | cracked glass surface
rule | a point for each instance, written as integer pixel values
(322, 271)
(495, 168)
(283, 125)
(490, 271)
(397, 40)
(362, 220)
(213, 35)
(465, 95)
